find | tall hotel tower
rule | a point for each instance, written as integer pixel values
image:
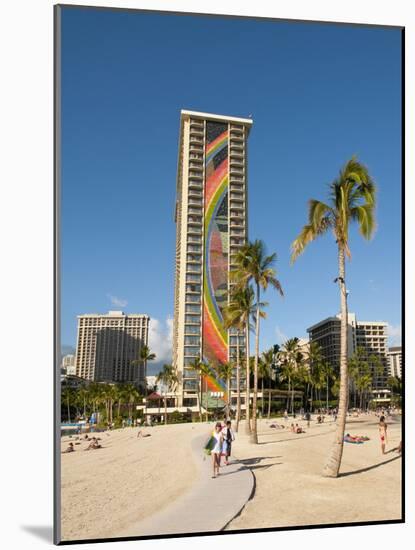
(211, 225)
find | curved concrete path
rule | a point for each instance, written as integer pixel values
(209, 505)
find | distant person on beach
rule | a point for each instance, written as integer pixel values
(228, 437)
(217, 448)
(93, 445)
(69, 449)
(141, 434)
(286, 415)
(308, 418)
(383, 429)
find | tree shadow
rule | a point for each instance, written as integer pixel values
(368, 468)
(43, 532)
(255, 460)
(252, 464)
(301, 436)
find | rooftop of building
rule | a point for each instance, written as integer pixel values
(114, 314)
(351, 319)
(395, 349)
(184, 113)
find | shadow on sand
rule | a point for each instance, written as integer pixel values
(344, 474)
(302, 436)
(253, 464)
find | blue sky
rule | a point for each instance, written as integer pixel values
(317, 94)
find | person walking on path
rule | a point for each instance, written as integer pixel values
(383, 432)
(217, 448)
(228, 437)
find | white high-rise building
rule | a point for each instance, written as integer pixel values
(108, 346)
(395, 361)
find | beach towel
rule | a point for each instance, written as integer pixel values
(210, 443)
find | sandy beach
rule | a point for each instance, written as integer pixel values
(130, 478)
(107, 490)
(290, 489)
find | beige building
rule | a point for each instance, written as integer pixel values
(395, 361)
(68, 364)
(369, 335)
(211, 225)
(108, 344)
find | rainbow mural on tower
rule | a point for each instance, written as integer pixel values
(216, 247)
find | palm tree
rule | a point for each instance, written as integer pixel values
(131, 395)
(225, 371)
(169, 378)
(327, 373)
(238, 313)
(204, 370)
(253, 265)
(264, 371)
(351, 199)
(67, 395)
(144, 356)
(313, 360)
(291, 359)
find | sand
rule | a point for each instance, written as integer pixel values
(106, 491)
(290, 490)
(130, 478)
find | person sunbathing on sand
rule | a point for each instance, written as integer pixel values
(69, 449)
(93, 445)
(298, 429)
(141, 434)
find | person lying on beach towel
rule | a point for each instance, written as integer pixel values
(277, 426)
(355, 438)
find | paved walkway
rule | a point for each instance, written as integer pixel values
(209, 506)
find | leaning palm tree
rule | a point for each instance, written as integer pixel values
(253, 265)
(238, 314)
(169, 378)
(351, 199)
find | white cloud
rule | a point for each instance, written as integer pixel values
(281, 337)
(160, 339)
(395, 335)
(117, 302)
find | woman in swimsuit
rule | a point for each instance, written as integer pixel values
(383, 429)
(217, 448)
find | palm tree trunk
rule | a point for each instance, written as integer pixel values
(254, 435)
(69, 410)
(248, 389)
(327, 395)
(165, 409)
(238, 385)
(200, 397)
(228, 403)
(332, 467)
(269, 402)
(206, 400)
(262, 400)
(292, 398)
